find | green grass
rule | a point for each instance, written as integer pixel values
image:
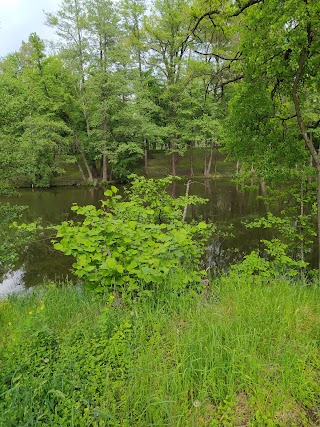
(240, 355)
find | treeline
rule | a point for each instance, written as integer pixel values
(122, 79)
(127, 76)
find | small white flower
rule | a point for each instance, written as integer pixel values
(196, 403)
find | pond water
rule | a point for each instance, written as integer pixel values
(227, 207)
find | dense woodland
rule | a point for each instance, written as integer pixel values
(129, 76)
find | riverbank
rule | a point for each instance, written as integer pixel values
(239, 355)
(159, 166)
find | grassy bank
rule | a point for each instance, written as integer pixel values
(242, 355)
(159, 164)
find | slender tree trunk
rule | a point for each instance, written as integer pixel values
(186, 205)
(215, 162)
(104, 167)
(173, 161)
(237, 167)
(145, 146)
(205, 164)
(263, 187)
(191, 159)
(82, 173)
(210, 160)
(207, 167)
(84, 160)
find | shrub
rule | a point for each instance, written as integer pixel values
(138, 244)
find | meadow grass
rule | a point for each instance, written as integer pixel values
(241, 354)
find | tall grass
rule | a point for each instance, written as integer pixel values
(244, 355)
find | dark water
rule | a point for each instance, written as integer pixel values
(227, 208)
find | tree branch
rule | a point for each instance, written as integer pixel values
(245, 6)
(236, 58)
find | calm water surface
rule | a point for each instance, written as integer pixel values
(227, 208)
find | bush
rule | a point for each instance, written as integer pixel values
(138, 244)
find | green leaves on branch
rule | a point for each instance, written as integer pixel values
(274, 263)
(136, 245)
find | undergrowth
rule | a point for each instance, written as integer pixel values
(238, 355)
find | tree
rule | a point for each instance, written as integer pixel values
(280, 44)
(70, 23)
(167, 31)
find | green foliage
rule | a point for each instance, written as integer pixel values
(34, 135)
(298, 232)
(124, 159)
(45, 157)
(241, 355)
(274, 262)
(136, 245)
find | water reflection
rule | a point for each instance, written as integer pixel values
(12, 282)
(227, 208)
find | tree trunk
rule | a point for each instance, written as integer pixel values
(84, 160)
(207, 167)
(186, 205)
(263, 187)
(210, 159)
(81, 171)
(237, 167)
(173, 163)
(191, 159)
(205, 164)
(145, 146)
(104, 167)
